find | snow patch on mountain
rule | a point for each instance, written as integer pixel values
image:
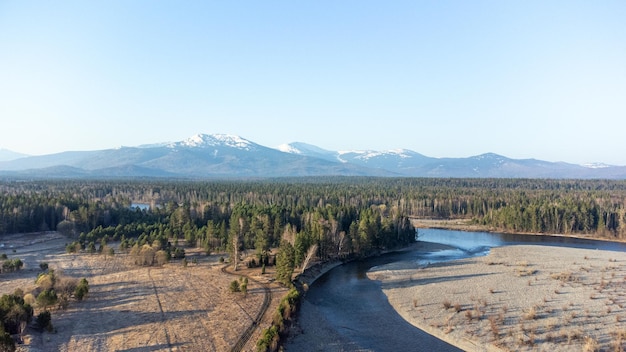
(288, 148)
(214, 140)
(301, 148)
(596, 165)
(370, 154)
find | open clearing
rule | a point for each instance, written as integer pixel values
(131, 308)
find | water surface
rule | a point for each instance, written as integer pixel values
(346, 311)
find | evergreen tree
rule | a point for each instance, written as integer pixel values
(285, 262)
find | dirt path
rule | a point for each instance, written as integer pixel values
(267, 299)
(130, 308)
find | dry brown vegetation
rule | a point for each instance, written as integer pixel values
(554, 299)
(170, 308)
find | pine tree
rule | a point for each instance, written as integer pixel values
(285, 262)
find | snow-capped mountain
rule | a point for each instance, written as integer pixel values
(225, 156)
(215, 140)
(200, 156)
(409, 163)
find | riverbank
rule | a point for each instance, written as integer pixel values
(314, 331)
(314, 272)
(517, 298)
(467, 226)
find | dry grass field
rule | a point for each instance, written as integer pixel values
(131, 308)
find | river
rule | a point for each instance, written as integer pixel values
(345, 311)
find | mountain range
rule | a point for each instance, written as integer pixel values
(228, 156)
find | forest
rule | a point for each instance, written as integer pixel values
(343, 216)
(284, 222)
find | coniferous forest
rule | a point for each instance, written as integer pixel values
(342, 216)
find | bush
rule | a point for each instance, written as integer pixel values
(244, 285)
(44, 321)
(178, 253)
(47, 298)
(82, 289)
(73, 247)
(12, 265)
(269, 340)
(271, 337)
(6, 341)
(234, 286)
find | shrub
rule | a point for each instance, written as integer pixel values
(47, 298)
(44, 321)
(244, 285)
(495, 329)
(81, 289)
(269, 340)
(234, 286)
(29, 299)
(161, 257)
(6, 341)
(12, 265)
(530, 314)
(288, 305)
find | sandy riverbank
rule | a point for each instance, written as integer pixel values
(517, 298)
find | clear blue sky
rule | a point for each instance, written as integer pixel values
(540, 79)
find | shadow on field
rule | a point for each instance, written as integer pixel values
(160, 347)
(402, 283)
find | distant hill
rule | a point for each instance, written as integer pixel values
(8, 155)
(409, 163)
(226, 156)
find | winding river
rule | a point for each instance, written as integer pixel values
(345, 311)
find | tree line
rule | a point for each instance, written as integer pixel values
(340, 214)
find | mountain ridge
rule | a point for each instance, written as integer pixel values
(225, 156)
(8, 155)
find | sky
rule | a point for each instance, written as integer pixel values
(524, 79)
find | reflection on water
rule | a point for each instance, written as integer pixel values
(354, 308)
(457, 253)
(471, 240)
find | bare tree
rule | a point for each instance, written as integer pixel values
(235, 251)
(236, 244)
(309, 254)
(289, 234)
(342, 241)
